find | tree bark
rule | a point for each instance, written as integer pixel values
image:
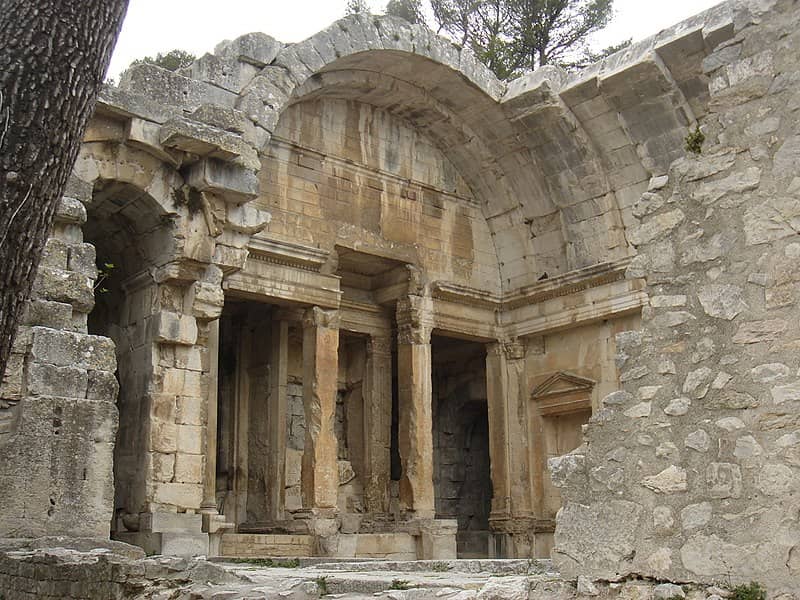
(53, 56)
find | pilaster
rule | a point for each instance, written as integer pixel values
(414, 396)
(320, 481)
(378, 423)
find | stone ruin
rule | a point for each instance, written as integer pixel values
(355, 294)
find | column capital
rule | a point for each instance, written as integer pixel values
(511, 349)
(318, 317)
(379, 345)
(414, 324)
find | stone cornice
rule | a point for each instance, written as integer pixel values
(461, 294)
(569, 283)
(287, 254)
(563, 285)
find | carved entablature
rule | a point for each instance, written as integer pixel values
(570, 283)
(289, 254)
(563, 393)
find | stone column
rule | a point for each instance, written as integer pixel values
(378, 423)
(320, 472)
(209, 504)
(414, 396)
(279, 351)
(498, 398)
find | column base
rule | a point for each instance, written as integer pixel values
(324, 525)
(171, 534)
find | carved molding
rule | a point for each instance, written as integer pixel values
(570, 283)
(288, 254)
(563, 393)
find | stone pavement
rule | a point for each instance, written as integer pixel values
(95, 570)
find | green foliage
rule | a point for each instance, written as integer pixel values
(589, 57)
(399, 584)
(322, 585)
(750, 591)
(440, 567)
(694, 141)
(103, 273)
(356, 7)
(513, 36)
(292, 563)
(410, 10)
(171, 61)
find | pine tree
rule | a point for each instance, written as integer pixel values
(53, 55)
(410, 10)
(513, 36)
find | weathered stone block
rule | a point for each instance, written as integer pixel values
(65, 286)
(186, 495)
(226, 72)
(246, 218)
(190, 411)
(174, 328)
(102, 385)
(188, 468)
(257, 49)
(232, 182)
(66, 348)
(168, 88)
(189, 439)
(55, 315)
(82, 259)
(227, 119)
(71, 210)
(52, 380)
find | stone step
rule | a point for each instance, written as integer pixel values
(265, 546)
(485, 566)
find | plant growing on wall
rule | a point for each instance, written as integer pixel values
(171, 61)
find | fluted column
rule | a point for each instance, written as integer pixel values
(320, 473)
(414, 396)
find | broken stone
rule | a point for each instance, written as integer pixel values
(721, 301)
(669, 481)
(678, 407)
(698, 440)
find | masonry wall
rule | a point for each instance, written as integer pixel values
(342, 172)
(691, 472)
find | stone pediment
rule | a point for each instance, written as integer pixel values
(563, 383)
(563, 393)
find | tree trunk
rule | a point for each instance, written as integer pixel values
(53, 56)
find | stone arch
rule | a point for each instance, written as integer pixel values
(536, 173)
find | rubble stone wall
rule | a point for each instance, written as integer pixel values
(691, 472)
(58, 420)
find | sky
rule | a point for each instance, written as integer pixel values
(153, 26)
